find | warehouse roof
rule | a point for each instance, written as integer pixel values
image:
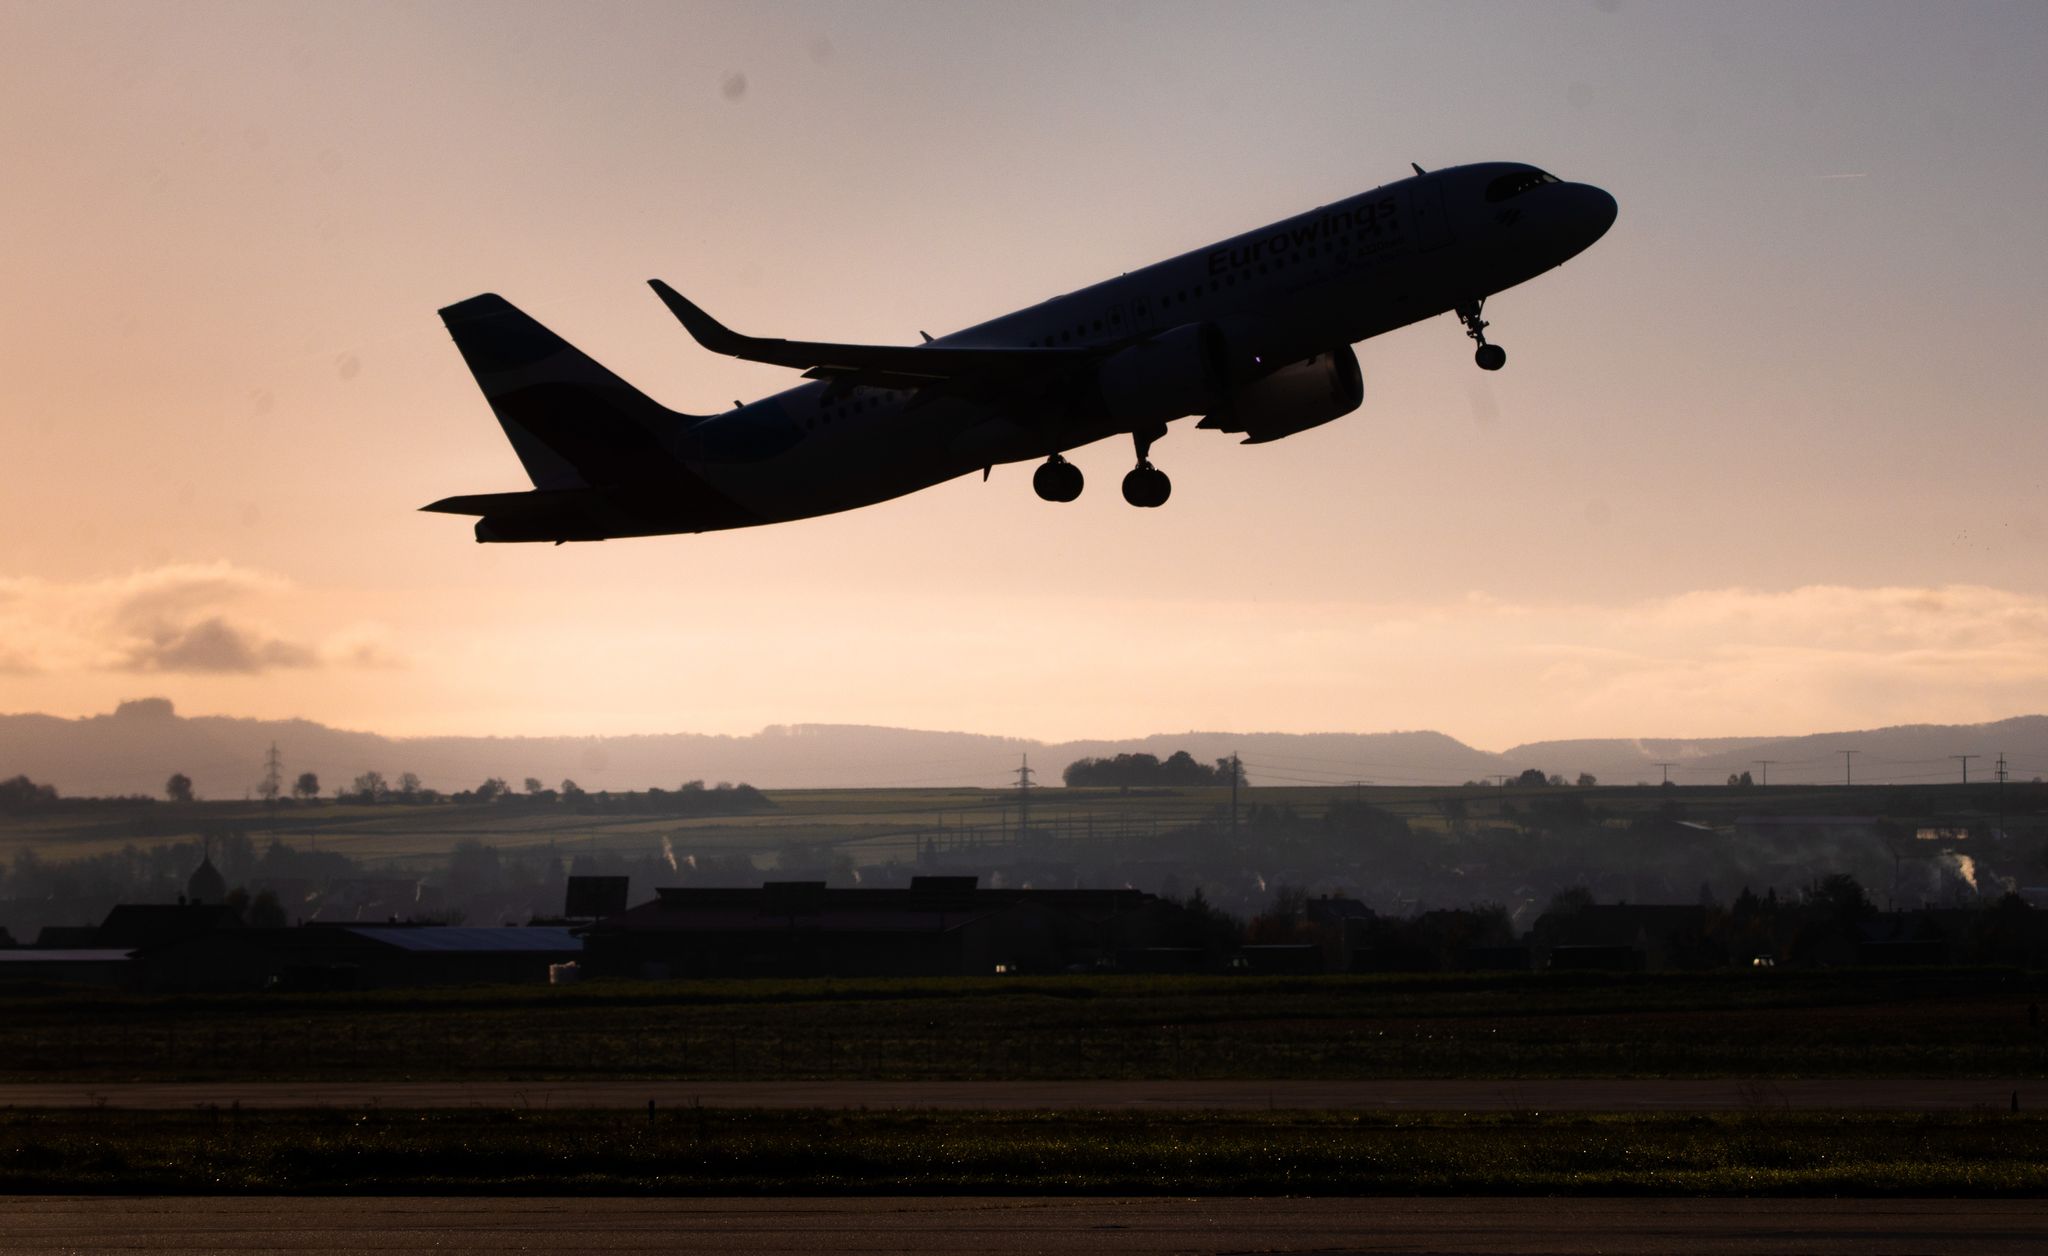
(477, 940)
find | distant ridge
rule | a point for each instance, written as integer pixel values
(134, 749)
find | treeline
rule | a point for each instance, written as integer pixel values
(22, 796)
(1129, 771)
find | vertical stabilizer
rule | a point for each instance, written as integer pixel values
(572, 422)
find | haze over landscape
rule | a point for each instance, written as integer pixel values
(136, 748)
(1759, 463)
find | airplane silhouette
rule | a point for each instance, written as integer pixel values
(1254, 334)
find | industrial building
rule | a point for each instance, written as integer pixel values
(939, 926)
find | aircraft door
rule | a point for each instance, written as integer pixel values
(1426, 216)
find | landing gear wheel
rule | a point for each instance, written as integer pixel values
(1147, 486)
(1489, 357)
(1057, 480)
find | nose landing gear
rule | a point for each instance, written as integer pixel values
(1146, 485)
(1489, 357)
(1057, 480)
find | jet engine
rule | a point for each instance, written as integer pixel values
(1292, 399)
(1176, 373)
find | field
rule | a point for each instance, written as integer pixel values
(879, 825)
(701, 1151)
(1909, 1023)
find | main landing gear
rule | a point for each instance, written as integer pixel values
(1489, 357)
(1057, 480)
(1147, 485)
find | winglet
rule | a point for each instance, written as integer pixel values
(703, 328)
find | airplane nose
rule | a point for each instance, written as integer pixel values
(1598, 209)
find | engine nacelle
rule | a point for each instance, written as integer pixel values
(1174, 374)
(1293, 399)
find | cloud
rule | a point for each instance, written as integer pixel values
(213, 646)
(187, 618)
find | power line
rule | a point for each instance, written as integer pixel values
(1765, 765)
(1667, 771)
(1966, 764)
(1847, 777)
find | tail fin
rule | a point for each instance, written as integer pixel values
(573, 423)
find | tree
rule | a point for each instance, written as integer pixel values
(533, 785)
(307, 787)
(20, 795)
(1740, 781)
(265, 912)
(370, 787)
(409, 786)
(473, 868)
(1842, 897)
(1587, 780)
(1569, 902)
(178, 788)
(1532, 776)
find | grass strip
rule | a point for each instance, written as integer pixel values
(1841, 1023)
(724, 1152)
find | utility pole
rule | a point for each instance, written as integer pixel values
(1764, 765)
(1667, 770)
(273, 777)
(2001, 795)
(1024, 798)
(1847, 776)
(1966, 764)
(1236, 775)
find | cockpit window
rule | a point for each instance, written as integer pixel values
(1517, 183)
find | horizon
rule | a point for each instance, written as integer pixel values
(777, 726)
(1759, 456)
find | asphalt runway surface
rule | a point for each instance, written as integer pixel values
(1541, 1095)
(996, 1226)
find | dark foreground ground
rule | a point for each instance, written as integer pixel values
(565, 1227)
(1543, 1094)
(1983, 1023)
(725, 1152)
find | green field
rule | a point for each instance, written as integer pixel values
(1857, 1023)
(698, 1151)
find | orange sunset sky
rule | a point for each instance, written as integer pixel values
(1767, 459)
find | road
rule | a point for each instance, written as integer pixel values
(997, 1227)
(1565, 1095)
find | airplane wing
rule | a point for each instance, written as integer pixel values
(880, 366)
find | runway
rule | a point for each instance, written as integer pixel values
(1540, 1095)
(996, 1227)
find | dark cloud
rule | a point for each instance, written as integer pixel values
(213, 646)
(734, 85)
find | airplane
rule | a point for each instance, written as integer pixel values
(1253, 334)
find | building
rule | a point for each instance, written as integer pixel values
(938, 926)
(355, 957)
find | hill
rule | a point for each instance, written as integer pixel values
(136, 747)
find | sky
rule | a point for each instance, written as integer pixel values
(1766, 459)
